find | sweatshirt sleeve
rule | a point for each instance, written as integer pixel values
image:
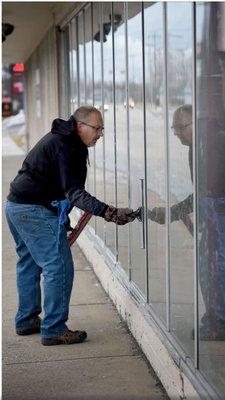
(181, 209)
(76, 194)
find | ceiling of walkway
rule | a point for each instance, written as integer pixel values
(31, 21)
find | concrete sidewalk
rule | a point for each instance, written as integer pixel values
(109, 365)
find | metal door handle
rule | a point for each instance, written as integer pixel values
(142, 210)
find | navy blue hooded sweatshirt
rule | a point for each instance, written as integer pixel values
(56, 169)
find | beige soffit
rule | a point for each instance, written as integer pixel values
(31, 21)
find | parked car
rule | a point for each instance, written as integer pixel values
(130, 102)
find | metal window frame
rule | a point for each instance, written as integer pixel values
(102, 106)
(98, 5)
(78, 61)
(93, 92)
(128, 134)
(75, 76)
(73, 46)
(66, 44)
(80, 20)
(145, 153)
(73, 13)
(71, 64)
(191, 370)
(92, 54)
(85, 66)
(63, 65)
(100, 223)
(115, 131)
(195, 193)
(167, 169)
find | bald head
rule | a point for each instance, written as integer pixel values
(184, 109)
(182, 124)
(83, 113)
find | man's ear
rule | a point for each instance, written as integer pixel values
(79, 124)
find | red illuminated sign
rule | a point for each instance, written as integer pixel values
(18, 68)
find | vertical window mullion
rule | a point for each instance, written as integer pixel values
(78, 62)
(145, 154)
(71, 65)
(167, 169)
(114, 129)
(93, 76)
(85, 71)
(128, 135)
(92, 56)
(195, 186)
(103, 115)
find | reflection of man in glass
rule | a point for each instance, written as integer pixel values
(211, 208)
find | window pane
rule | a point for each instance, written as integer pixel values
(136, 135)
(89, 99)
(73, 66)
(88, 55)
(99, 181)
(108, 121)
(121, 128)
(180, 160)
(65, 70)
(155, 153)
(81, 58)
(211, 189)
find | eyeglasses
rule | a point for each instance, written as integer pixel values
(97, 128)
(180, 128)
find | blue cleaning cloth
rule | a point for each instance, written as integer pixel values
(63, 209)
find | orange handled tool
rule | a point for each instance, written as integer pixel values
(82, 222)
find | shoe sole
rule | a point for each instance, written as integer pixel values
(27, 332)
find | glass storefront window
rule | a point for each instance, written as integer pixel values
(82, 71)
(73, 66)
(155, 142)
(99, 159)
(136, 138)
(121, 128)
(210, 133)
(118, 93)
(107, 110)
(89, 97)
(179, 34)
(65, 53)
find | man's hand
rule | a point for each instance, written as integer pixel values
(158, 215)
(119, 216)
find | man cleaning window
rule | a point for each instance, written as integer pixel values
(49, 184)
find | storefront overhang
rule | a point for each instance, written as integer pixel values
(31, 21)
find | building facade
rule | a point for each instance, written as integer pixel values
(138, 63)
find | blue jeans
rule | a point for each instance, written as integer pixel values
(41, 250)
(212, 260)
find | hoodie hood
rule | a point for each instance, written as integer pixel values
(62, 127)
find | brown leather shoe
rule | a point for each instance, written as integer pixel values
(67, 337)
(35, 328)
